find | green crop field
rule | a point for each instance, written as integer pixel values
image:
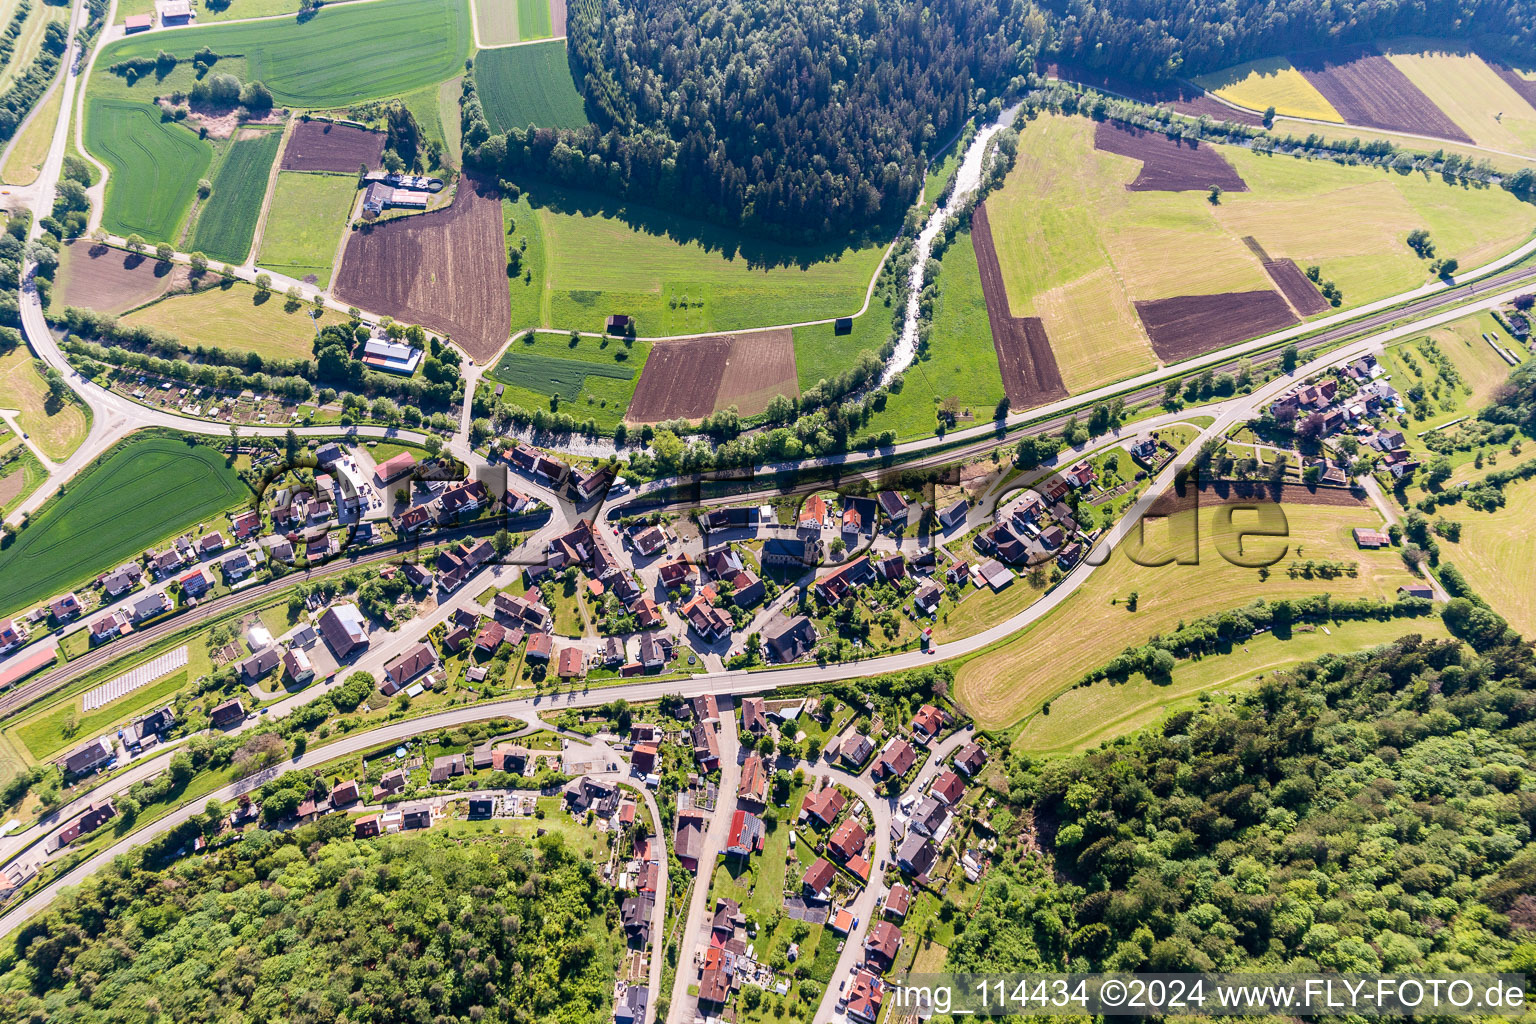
(523, 85)
(533, 21)
(679, 276)
(305, 220)
(228, 218)
(1087, 716)
(141, 491)
(1013, 680)
(593, 378)
(155, 167)
(236, 317)
(497, 21)
(346, 53)
(961, 361)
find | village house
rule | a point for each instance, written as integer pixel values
(817, 880)
(745, 836)
(344, 629)
(753, 788)
(823, 806)
(793, 641)
(927, 723)
(848, 838)
(970, 759)
(895, 759)
(227, 713)
(88, 757)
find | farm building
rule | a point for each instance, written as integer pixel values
(174, 12)
(381, 197)
(618, 323)
(391, 356)
(138, 23)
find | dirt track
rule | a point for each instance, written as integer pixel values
(323, 146)
(1368, 89)
(1188, 325)
(445, 270)
(1168, 165)
(1024, 357)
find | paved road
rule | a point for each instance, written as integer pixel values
(1226, 415)
(700, 911)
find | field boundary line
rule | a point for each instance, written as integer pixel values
(237, 21)
(266, 199)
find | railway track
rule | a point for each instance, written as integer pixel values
(39, 688)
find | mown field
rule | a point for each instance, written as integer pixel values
(497, 21)
(1094, 624)
(1087, 716)
(1272, 82)
(1497, 554)
(236, 317)
(678, 276)
(593, 378)
(961, 360)
(227, 220)
(305, 219)
(155, 166)
(523, 85)
(142, 491)
(1076, 248)
(24, 160)
(56, 428)
(821, 353)
(346, 53)
(525, 234)
(1470, 93)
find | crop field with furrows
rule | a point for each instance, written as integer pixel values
(1080, 251)
(523, 85)
(345, 54)
(227, 220)
(155, 166)
(141, 491)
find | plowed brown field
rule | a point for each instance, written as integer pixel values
(1368, 89)
(1224, 492)
(1168, 165)
(1028, 366)
(689, 378)
(1188, 325)
(680, 380)
(110, 280)
(1297, 288)
(445, 270)
(323, 146)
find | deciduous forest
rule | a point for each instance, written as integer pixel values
(1369, 812)
(309, 926)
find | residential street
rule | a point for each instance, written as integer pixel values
(700, 911)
